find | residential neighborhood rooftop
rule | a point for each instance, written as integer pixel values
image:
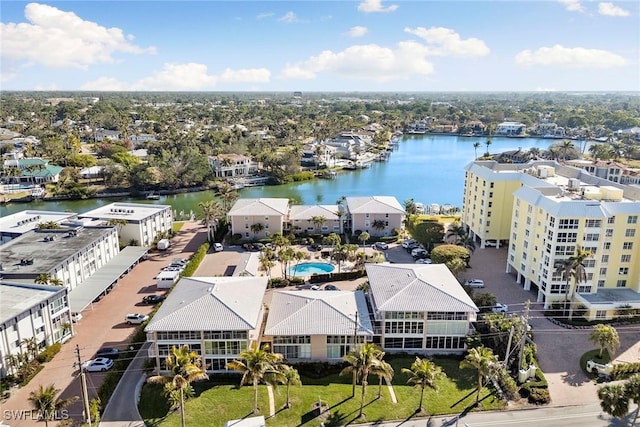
(261, 206)
(15, 298)
(211, 304)
(21, 222)
(126, 211)
(373, 204)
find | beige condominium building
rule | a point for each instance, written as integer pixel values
(545, 211)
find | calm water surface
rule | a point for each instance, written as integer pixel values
(429, 169)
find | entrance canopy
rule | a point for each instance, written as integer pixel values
(83, 294)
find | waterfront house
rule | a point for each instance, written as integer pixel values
(217, 317)
(27, 312)
(31, 170)
(510, 129)
(258, 218)
(377, 215)
(232, 165)
(301, 219)
(419, 308)
(317, 325)
(140, 223)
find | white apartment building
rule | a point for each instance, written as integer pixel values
(15, 225)
(31, 311)
(135, 222)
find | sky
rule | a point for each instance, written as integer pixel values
(321, 46)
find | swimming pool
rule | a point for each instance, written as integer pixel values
(309, 268)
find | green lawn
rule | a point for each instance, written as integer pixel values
(177, 226)
(216, 404)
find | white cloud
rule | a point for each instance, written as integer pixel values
(609, 9)
(59, 39)
(444, 41)
(367, 62)
(187, 76)
(572, 5)
(577, 57)
(357, 31)
(264, 15)
(289, 18)
(375, 6)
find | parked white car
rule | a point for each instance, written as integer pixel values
(475, 283)
(599, 368)
(217, 247)
(500, 308)
(101, 364)
(408, 243)
(135, 318)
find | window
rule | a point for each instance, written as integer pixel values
(593, 223)
(607, 246)
(601, 314)
(605, 259)
(627, 246)
(625, 258)
(611, 220)
(622, 283)
(601, 283)
(603, 271)
(633, 219)
(568, 224)
(623, 271)
(629, 232)
(592, 237)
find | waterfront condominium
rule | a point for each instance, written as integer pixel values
(544, 212)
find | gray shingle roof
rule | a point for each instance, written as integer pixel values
(262, 206)
(411, 287)
(317, 313)
(374, 205)
(211, 304)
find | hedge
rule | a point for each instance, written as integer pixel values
(195, 261)
(624, 370)
(335, 277)
(48, 353)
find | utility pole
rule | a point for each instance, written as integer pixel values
(523, 337)
(83, 383)
(506, 355)
(355, 338)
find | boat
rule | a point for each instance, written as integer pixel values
(152, 196)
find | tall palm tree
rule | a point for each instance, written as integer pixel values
(484, 361)
(317, 221)
(362, 362)
(565, 147)
(614, 400)
(185, 367)
(488, 143)
(424, 373)
(379, 225)
(211, 211)
(363, 237)
(476, 145)
(288, 376)
(47, 279)
(384, 371)
(45, 403)
(256, 228)
(254, 364)
(572, 268)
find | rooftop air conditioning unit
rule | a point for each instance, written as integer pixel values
(574, 184)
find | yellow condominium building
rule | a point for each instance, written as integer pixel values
(545, 211)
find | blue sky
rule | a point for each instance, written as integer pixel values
(370, 45)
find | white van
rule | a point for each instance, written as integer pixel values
(76, 317)
(167, 279)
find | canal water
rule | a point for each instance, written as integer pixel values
(426, 168)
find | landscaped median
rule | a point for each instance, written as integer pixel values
(219, 400)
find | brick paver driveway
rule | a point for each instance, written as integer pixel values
(103, 326)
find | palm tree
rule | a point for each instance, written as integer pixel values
(266, 261)
(572, 268)
(363, 237)
(424, 373)
(211, 211)
(254, 364)
(185, 367)
(317, 221)
(379, 225)
(633, 392)
(384, 371)
(362, 362)
(118, 223)
(488, 143)
(565, 147)
(476, 145)
(288, 376)
(47, 279)
(484, 361)
(45, 403)
(31, 345)
(614, 400)
(605, 336)
(256, 228)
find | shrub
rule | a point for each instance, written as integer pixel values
(539, 396)
(333, 277)
(195, 261)
(318, 369)
(624, 370)
(27, 373)
(48, 353)
(507, 384)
